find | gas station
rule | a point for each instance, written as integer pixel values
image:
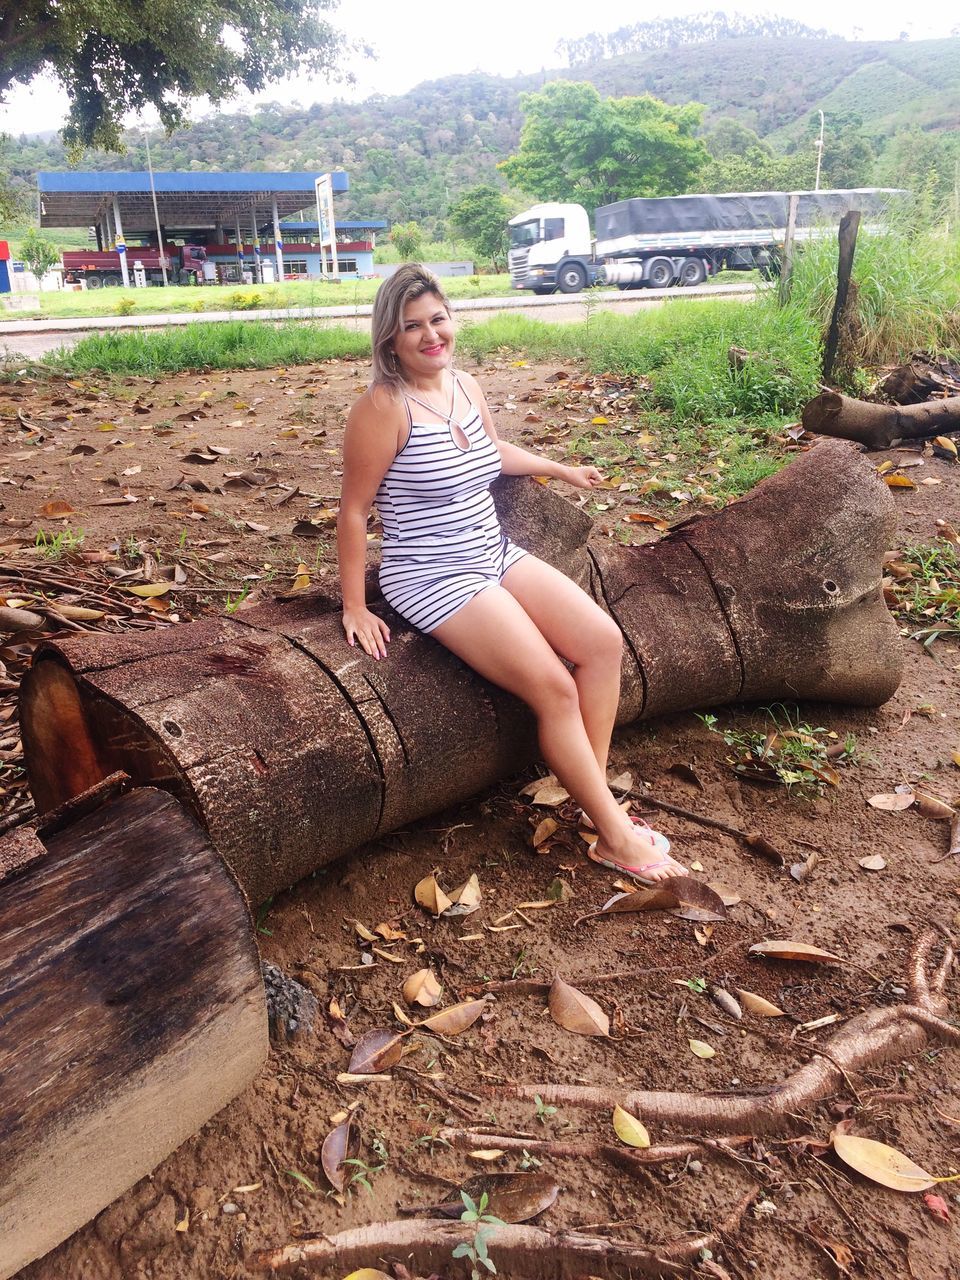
(201, 227)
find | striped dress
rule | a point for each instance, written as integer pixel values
(442, 541)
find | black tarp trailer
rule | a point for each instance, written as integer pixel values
(683, 239)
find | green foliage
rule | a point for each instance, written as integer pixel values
(476, 1249)
(239, 301)
(125, 306)
(115, 56)
(54, 546)
(786, 749)
(577, 146)
(480, 215)
(757, 168)
(407, 239)
(238, 344)
(39, 253)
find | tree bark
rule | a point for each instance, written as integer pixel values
(880, 426)
(131, 1005)
(292, 748)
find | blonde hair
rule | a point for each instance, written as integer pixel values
(407, 284)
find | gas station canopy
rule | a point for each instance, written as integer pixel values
(184, 200)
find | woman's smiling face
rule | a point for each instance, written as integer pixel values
(425, 340)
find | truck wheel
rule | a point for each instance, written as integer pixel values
(112, 282)
(541, 290)
(94, 282)
(692, 272)
(660, 273)
(571, 278)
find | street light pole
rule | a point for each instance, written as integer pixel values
(816, 185)
(156, 214)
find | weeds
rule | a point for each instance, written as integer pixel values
(797, 755)
(234, 602)
(55, 546)
(544, 1113)
(476, 1249)
(925, 586)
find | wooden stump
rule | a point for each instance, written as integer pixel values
(131, 1005)
(880, 426)
(293, 748)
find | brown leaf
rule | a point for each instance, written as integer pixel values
(148, 590)
(785, 949)
(757, 1005)
(892, 801)
(422, 988)
(545, 829)
(430, 896)
(340, 1144)
(552, 796)
(465, 900)
(696, 900)
(875, 862)
(450, 1022)
(198, 456)
(687, 773)
(512, 1197)
(883, 1164)
(376, 1051)
(56, 510)
(641, 900)
(572, 1010)
(933, 807)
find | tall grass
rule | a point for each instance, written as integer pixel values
(235, 344)
(906, 294)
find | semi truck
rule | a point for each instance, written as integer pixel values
(661, 241)
(103, 270)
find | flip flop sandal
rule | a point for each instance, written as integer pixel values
(643, 880)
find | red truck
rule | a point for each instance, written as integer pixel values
(102, 270)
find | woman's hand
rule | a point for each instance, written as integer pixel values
(583, 477)
(372, 632)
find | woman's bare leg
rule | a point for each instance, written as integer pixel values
(578, 629)
(494, 635)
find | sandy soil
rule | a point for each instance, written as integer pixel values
(252, 1177)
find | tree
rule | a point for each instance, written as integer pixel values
(758, 169)
(576, 146)
(115, 56)
(480, 216)
(39, 253)
(408, 240)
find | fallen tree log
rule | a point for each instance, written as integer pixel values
(879, 426)
(131, 1005)
(868, 1040)
(292, 748)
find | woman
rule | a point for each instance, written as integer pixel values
(422, 444)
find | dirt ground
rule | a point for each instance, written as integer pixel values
(233, 478)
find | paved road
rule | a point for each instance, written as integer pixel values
(34, 338)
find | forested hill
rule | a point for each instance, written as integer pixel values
(409, 156)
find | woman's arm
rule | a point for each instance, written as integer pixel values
(370, 443)
(521, 462)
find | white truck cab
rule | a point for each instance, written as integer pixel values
(551, 248)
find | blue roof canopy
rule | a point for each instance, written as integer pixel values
(301, 228)
(184, 200)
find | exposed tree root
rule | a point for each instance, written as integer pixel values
(427, 1245)
(632, 1161)
(872, 1038)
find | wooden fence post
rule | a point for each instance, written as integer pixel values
(849, 226)
(786, 267)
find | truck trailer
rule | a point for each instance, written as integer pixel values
(668, 240)
(103, 270)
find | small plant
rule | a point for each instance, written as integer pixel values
(927, 586)
(234, 602)
(262, 914)
(544, 1113)
(793, 753)
(240, 301)
(125, 306)
(196, 305)
(476, 1249)
(54, 546)
(365, 1171)
(697, 985)
(527, 1161)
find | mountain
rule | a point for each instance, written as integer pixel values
(410, 155)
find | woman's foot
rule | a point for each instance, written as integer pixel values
(642, 853)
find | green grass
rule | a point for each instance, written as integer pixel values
(291, 294)
(232, 344)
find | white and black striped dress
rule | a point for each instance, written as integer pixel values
(442, 541)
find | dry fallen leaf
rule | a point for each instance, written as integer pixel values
(465, 900)
(339, 1145)
(56, 510)
(701, 1048)
(883, 1164)
(368, 1273)
(551, 796)
(785, 949)
(892, 801)
(572, 1010)
(429, 895)
(899, 482)
(450, 1022)
(363, 932)
(422, 988)
(933, 807)
(629, 1129)
(756, 1004)
(875, 862)
(376, 1051)
(148, 590)
(544, 831)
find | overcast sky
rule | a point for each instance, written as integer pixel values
(503, 37)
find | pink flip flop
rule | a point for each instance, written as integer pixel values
(632, 872)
